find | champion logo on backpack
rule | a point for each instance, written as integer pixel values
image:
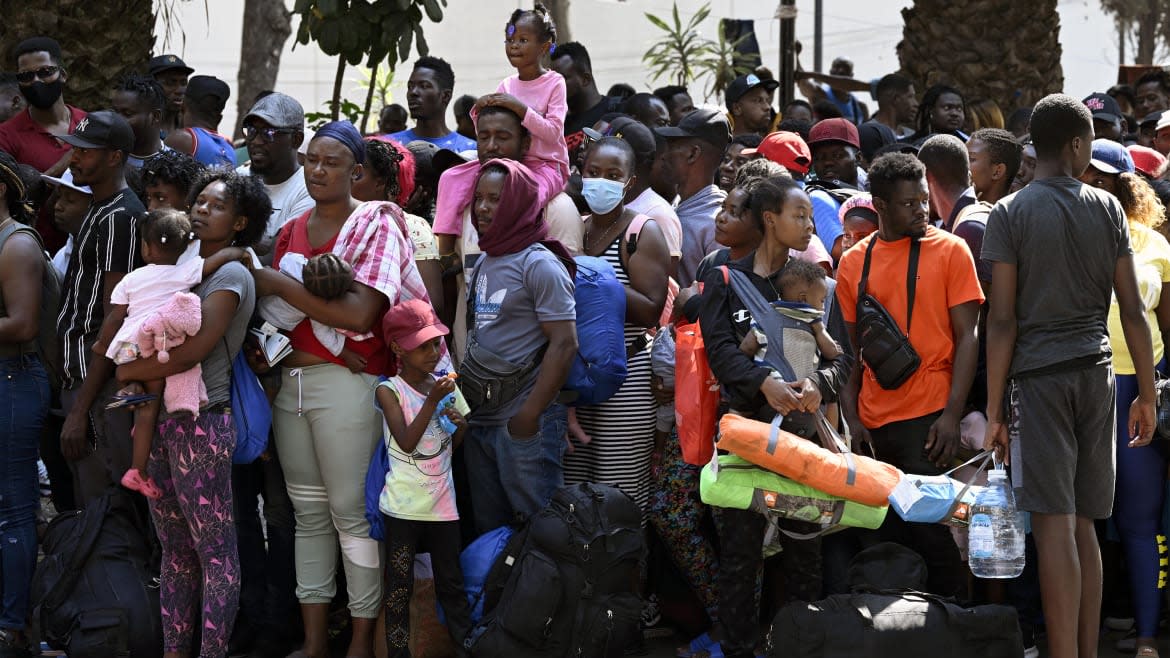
(563, 584)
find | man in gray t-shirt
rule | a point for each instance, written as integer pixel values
(523, 310)
(1059, 250)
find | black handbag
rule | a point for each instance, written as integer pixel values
(887, 351)
(1162, 429)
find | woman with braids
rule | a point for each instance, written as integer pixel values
(191, 457)
(942, 110)
(1141, 471)
(325, 422)
(390, 176)
(167, 179)
(24, 388)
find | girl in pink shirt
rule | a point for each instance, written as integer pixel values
(537, 96)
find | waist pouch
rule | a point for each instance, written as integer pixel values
(488, 381)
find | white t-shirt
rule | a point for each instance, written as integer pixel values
(651, 204)
(290, 200)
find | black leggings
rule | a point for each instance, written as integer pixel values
(404, 538)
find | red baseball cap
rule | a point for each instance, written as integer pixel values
(834, 130)
(786, 149)
(411, 324)
(1147, 160)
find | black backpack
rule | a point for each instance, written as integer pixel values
(840, 192)
(564, 583)
(92, 592)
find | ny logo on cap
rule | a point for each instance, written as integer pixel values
(82, 125)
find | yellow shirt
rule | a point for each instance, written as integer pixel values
(1151, 259)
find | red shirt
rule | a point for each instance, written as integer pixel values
(28, 142)
(294, 238)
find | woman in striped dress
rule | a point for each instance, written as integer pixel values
(622, 428)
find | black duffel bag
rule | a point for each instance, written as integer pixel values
(890, 618)
(92, 594)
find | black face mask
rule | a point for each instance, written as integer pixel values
(42, 95)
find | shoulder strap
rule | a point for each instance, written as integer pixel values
(631, 237)
(912, 281)
(911, 277)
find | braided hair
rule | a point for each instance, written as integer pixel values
(541, 16)
(929, 100)
(18, 206)
(385, 160)
(327, 276)
(145, 88)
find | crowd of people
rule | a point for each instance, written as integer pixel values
(423, 279)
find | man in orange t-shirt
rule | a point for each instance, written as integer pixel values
(915, 426)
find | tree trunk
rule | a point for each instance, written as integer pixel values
(336, 109)
(370, 97)
(100, 41)
(1147, 33)
(1005, 50)
(267, 26)
(560, 15)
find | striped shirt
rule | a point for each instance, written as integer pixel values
(107, 242)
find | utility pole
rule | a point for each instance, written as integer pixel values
(787, 15)
(818, 32)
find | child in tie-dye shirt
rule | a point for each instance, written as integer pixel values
(422, 428)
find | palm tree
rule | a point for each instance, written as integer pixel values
(1005, 50)
(100, 41)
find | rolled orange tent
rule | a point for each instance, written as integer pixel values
(848, 476)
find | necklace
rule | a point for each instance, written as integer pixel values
(589, 246)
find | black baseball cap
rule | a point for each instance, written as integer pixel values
(745, 83)
(1103, 106)
(1151, 118)
(205, 86)
(168, 63)
(101, 130)
(708, 125)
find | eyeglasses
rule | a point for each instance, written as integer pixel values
(43, 73)
(269, 134)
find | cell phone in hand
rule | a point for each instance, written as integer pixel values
(119, 401)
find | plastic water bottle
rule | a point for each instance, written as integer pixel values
(444, 421)
(996, 535)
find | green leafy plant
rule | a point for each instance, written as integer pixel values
(377, 31)
(345, 109)
(680, 51)
(724, 64)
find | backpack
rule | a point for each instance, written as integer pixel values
(92, 592)
(563, 584)
(48, 343)
(838, 191)
(672, 287)
(599, 368)
(476, 562)
(980, 212)
(251, 413)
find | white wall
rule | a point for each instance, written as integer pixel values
(616, 33)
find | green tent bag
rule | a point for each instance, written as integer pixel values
(740, 484)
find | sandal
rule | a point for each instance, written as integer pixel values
(134, 481)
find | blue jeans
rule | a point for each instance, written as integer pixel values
(24, 401)
(514, 478)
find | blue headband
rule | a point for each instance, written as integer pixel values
(347, 134)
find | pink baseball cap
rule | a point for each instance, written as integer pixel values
(1147, 160)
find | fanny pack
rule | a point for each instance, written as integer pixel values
(887, 351)
(488, 382)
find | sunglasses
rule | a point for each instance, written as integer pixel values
(43, 73)
(269, 134)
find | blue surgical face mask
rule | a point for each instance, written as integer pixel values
(602, 194)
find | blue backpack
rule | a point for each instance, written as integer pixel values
(376, 481)
(600, 367)
(251, 413)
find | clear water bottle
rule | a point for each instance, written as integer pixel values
(996, 535)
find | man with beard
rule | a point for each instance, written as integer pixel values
(105, 249)
(273, 131)
(428, 92)
(28, 136)
(749, 104)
